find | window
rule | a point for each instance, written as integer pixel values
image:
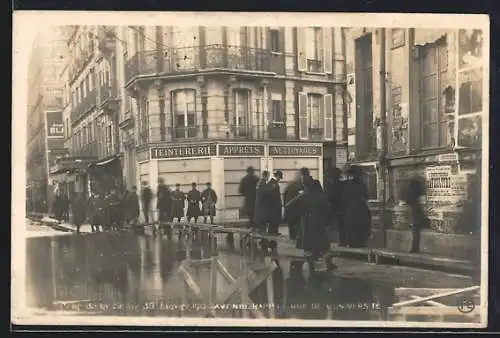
(92, 79)
(434, 132)
(274, 37)
(315, 111)
(240, 117)
(314, 50)
(233, 36)
(90, 132)
(84, 135)
(277, 112)
(471, 91)
(144, 120)
(184, 109)
(109, 140)
(87, 83)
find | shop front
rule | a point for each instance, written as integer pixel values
(224, 165)
(105, 174)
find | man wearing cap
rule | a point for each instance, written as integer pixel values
(248, 189)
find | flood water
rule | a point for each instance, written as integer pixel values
(137, 275)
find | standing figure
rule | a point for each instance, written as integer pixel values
(58, 207)
(163, 204)
(312, 206)
(133, 207)
(178, 198)
(113, 205)
(146, 197)
(208, 200)
(95, 212)
(194, 199)
(357, 216)
(262, 202)
(248, 189)
(276, 206)
(414, 190)
(65, 206)
(79, 211)
(333, 190)
(291, 191)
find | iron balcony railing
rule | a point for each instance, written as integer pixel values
(107, 91)
(88, 102)
(199, 58)
(215, 132)
(87, 150)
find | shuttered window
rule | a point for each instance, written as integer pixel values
(184, 110)
(328, 108)
(303, 117)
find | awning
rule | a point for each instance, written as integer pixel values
(105, 163)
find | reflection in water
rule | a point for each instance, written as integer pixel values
(137, 275)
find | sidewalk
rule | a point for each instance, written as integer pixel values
(369, 254)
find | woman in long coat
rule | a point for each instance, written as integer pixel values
(357, 216)
(194, 198)
(312, 206)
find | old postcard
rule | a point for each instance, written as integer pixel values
(250, 169)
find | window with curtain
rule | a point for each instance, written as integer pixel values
(434, 123)
(109, 140)
(241, 112)
(184, 112)
(315, 111)
(144, 120)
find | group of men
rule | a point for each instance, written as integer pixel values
(171, 204)
(346, 205)
(114, 210)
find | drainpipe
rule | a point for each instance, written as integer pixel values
(382, 160)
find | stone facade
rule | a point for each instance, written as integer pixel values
(434, 107)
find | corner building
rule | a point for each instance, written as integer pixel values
(207, 102)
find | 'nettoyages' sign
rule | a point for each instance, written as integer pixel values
(241, 150)
(200, 150)
(289, 150)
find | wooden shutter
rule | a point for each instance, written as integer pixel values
(301, 49)
(328, 117)
(303, 118)
(327, 50)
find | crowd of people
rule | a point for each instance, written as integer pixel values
(311, 210)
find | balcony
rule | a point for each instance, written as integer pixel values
(107, 92)
(215, 132)
(171, 61)
(87, 150)
(84, 106)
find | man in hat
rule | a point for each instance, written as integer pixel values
(292, 191)
(261, 210)
(194, 199)
(248, 189)
(275, 203)
(146, 197)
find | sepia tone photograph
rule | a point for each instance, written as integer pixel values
(250, 169)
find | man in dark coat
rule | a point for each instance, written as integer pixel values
(248, 189)
(163, 203)
(312, 206)
(292, 191)
(208, 200)
(333, 189)
(357, 215)
(178, 198)
(95, 212)
(276, 206)
(415, 189)
(113, 203)
(261, 214)
(79, 211)
(146, 197)
(194, 199)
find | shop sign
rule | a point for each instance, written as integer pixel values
(55, 127)
(285, 150)
(241, 149)
(201, 150)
